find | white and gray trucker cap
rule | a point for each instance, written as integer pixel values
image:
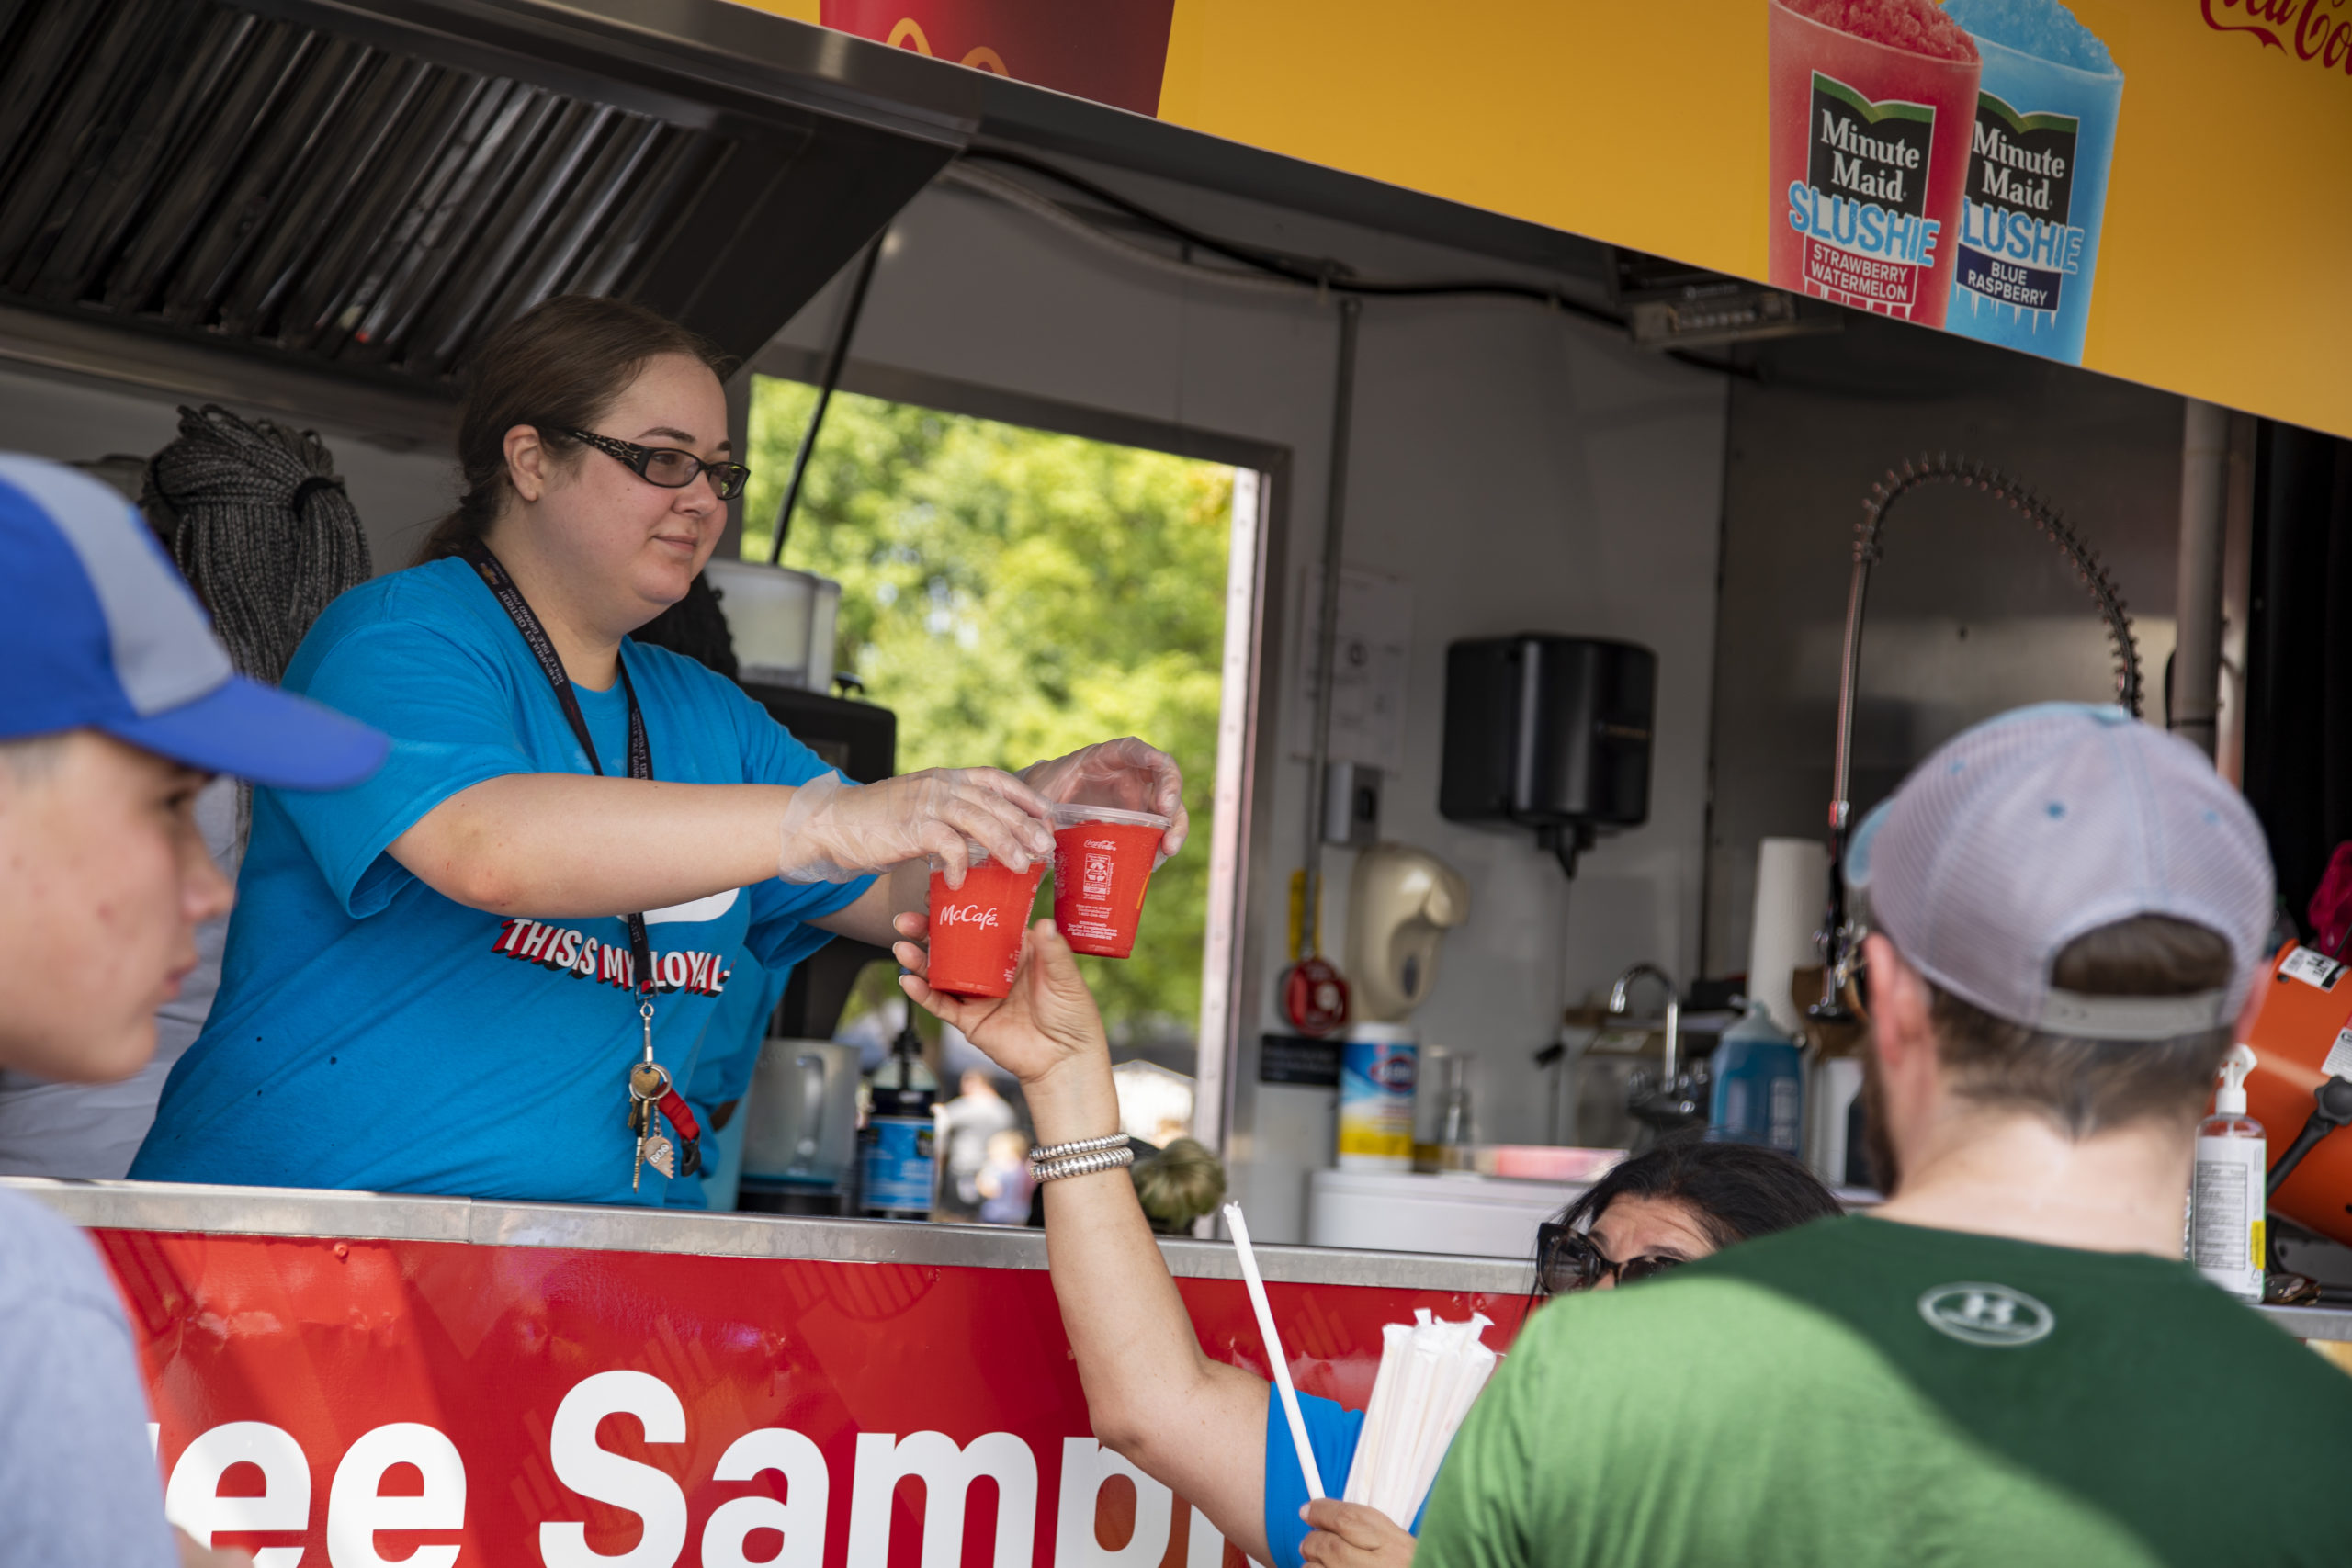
(2033, 828)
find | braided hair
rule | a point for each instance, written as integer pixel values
(260, 528)
(260, 525)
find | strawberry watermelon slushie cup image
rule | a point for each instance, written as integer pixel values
(1872, 102)
(1102, 862)
(2037, 177)
(976, 929)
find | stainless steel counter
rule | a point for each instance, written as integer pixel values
(290, 1211)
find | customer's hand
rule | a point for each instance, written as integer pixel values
(1349, 1535)
(195, 1556)
(1048, 1022)
(1126, 773)
(834, 831)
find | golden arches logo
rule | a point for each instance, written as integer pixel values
(908, 33)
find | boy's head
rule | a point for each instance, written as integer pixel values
(117, 705)
(2070, 904)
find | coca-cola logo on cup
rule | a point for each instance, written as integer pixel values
(982, 915)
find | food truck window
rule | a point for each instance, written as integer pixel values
(1011, 593)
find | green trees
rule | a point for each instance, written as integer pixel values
(1012, 594)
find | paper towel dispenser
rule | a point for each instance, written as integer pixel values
(1549, 733)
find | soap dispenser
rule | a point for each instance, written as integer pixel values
(2226, 1195)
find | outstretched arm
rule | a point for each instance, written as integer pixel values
(557, 845)
(1195, 1424)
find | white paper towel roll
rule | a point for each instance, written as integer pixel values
(1792, 891)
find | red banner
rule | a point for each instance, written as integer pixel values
(347, 1404)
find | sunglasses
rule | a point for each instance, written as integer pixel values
(1566, 1260)
(667, 466)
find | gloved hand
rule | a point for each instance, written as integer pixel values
(1125, 774)
(833, 831)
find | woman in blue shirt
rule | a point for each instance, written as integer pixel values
(1209, 1431)
(452, 977)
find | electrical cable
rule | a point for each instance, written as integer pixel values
(835, 357)
(1331, 276)
(1014, 194)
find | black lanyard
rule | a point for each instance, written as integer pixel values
(640, 753)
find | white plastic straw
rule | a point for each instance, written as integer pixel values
(1250, 1277)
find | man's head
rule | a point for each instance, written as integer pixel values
(2067, 906)
(107, 879)
(118, 705)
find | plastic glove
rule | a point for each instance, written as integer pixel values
(1126, 774)
(833, 831)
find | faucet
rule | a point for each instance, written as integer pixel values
(1617, 1000)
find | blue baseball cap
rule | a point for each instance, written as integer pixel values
(97, 631)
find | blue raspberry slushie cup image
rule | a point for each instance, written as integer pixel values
(2037, 177)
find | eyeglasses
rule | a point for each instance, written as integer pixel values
(667, 466)
(1566, 1260)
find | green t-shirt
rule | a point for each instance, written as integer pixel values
(1861, 1391)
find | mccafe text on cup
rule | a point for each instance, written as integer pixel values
(976, 929)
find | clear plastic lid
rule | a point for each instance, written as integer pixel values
(1069, 814)
(976, 856)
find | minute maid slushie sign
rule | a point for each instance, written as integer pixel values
(2000, 226)
(2158, 189)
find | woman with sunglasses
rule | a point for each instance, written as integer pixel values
(486, 971)
(1209, 1431)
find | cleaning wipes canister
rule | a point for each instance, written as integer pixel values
(1379, 1064)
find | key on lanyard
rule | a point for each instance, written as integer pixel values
(648, 1082)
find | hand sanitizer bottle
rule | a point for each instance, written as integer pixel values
(2225, 1187)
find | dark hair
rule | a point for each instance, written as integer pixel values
(696, 627)
(557, 368)
(1736, 1191)
(2085, 1086)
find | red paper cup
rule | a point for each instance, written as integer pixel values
(1868, 160)
(976, 929)
(1103, 862)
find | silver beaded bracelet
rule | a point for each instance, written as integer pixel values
(1081, 1164)
(1081, 1146)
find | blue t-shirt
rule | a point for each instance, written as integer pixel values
(1332, 1431)
(723, 1066)
(371, 1033)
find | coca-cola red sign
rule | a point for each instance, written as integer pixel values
(2319, 31)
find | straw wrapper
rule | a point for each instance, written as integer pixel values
(1430, 1373)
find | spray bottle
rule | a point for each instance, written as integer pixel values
(2225, 1187)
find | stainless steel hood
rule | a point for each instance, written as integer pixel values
(306, 203)
(370, 188)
